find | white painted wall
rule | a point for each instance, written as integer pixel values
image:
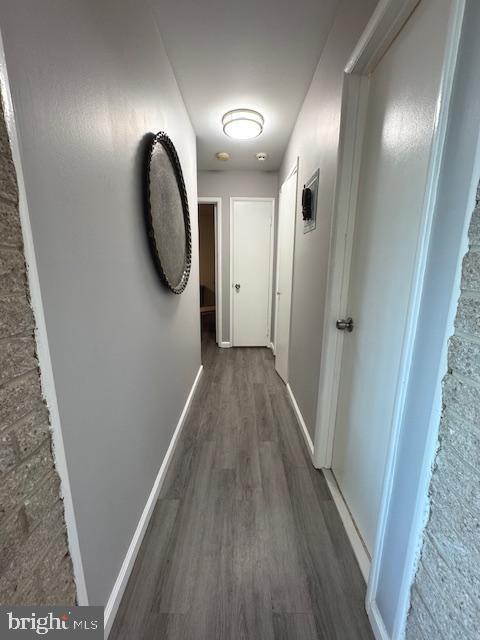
(226, 185)
(89, 79)
(315, 141)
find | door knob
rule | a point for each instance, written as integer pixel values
(237, 287)
(345, 325)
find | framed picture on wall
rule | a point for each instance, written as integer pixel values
(309, 203)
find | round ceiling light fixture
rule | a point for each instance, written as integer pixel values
(242, 124)
(222, 155)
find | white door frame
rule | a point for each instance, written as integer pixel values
(217, 217)
(293, 170)
(234, 199)
(386, 22)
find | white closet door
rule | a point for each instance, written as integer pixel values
(251, 246)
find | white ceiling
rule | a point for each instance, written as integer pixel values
(256, 54)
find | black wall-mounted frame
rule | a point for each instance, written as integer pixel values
(309, 203)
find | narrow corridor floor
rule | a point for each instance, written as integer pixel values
(245, 542)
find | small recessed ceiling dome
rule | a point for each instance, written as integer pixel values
(222, 155)
(261, 156)
(242, 124)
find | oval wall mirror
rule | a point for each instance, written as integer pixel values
(168, 219)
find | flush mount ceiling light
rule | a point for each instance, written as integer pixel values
(222, 155)
(242, 124)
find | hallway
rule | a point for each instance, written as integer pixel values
(245, 541)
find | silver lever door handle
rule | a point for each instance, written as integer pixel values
(237, 287)
(345, 325)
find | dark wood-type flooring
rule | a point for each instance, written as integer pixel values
(245, 542)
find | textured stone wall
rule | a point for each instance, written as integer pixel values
(35, 565)
(446, 592)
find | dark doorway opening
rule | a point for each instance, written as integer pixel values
(206, 239)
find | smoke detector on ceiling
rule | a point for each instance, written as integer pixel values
(262, 156)
(222, 155)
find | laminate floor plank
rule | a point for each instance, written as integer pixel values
(265, 422)
(245, 542)
(349, 571)
(327, 579)
(252, 602)
(163, 626)
(148, 572)
(292, 446)
(210, 605)
(288, 580)
(193, 521)
(296, 626)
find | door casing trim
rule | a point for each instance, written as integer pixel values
(387, 20)
(292, 172)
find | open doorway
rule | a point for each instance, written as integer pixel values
(208, 272)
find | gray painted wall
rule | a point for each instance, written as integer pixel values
(89, 80)
(315, 141)
(455, 200)
(226, 185)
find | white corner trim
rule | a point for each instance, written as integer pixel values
(361, 553)
(41, 338)
(301, 421)
(293, 172)
(379, 630)
(225, 345)
(353, 118)
(272, 347)
(115, 598)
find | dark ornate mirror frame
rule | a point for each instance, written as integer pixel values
(167, 144)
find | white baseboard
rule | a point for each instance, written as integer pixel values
(301, 421)
(129, 560)
(225, 345)
(361, 554)
(379, 630)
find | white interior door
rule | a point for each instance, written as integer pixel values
(285, 246)
(251, 246)
(400, 122)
